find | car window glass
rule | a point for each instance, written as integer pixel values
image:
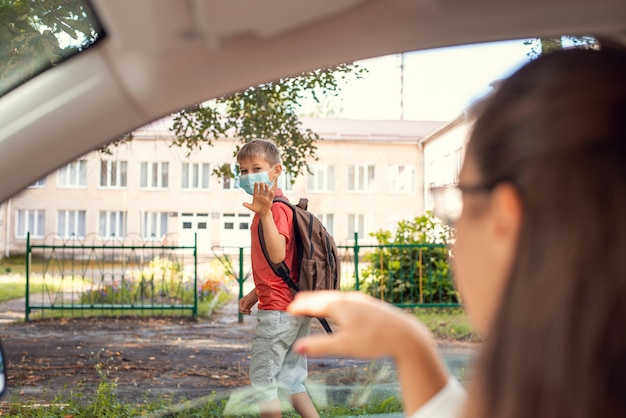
(39, 35)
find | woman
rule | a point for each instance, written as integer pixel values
(539, 256)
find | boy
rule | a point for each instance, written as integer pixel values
(273, 362)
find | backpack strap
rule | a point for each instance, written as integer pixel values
(281, 269)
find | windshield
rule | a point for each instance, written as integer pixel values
(36, 36)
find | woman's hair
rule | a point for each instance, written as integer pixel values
(260, 148)
(556, 131)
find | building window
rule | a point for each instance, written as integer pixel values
(231, 183)
(361, 178)
(448, 169)
(328, 220)
(285, 181)
(113, 174)
(229, 221)
(112, 224)
(73, 175)
(71, 223)
(356, 224)
(320, 178)
(154, 175)
(30, 220)
(195, 176)
(401, 179)
(458, 162)
(244, 221)
(38, 184)
(155, 224)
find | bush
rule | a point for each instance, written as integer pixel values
(411, 266)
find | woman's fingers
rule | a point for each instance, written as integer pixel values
(319, 345)
(321, 302)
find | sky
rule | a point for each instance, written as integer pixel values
(438, 84)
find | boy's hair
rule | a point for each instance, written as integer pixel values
(260, 148)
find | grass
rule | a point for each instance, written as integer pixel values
(450, 324)
(444, 323)
(105, 402)
(13, 285)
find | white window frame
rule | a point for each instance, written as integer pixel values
(195, 176)
(457, 164)
(155, 225)
(112, 223)
(328, 220)
(285, 181)
(361, 178)
(41, 183)
(73, 175)
(231, 183)
(401, 178)
(154, 175)
(30, 220)
(113, 174)
(320, 178)
(361, 223)
(71, 223)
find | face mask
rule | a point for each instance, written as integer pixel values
(247, 181)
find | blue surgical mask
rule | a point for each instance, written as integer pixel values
(247, 181)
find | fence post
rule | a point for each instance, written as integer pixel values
(195, 275)
(27, 266)
(356, 259)
(241, 280)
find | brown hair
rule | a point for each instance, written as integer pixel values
(556, 130)
(262, 149)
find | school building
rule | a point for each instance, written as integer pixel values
(369, 175)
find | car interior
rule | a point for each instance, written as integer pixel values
(150, 58)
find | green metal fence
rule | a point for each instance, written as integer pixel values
(405, 275)
(409, 275)
(117, 277)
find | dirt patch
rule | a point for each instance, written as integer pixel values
(177, 358)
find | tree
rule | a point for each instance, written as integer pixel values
(35, 35)
(411, 265)
(539, 46)
(268, 111)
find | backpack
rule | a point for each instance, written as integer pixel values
(318, 257)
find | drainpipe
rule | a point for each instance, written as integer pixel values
(7, 226)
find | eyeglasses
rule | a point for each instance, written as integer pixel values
(448, 200)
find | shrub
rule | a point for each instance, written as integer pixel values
(411, 266)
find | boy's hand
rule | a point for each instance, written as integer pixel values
(261, 199)
(247, 302)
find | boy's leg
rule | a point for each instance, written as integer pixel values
(304, 405)
(294, 370)
(264, 364)
(270, 409)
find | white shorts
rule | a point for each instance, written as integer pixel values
(273, 362)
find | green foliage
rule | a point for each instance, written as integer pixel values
(32, 35)
(163, 282)
(76, 403)
(539, 46)
(105, 402)
(411, 266)
(267, 111)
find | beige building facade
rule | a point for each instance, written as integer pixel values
(369, 175)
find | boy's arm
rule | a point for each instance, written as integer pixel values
(262, 200)
(248, 301)
(275, 243)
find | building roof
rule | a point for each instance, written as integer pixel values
(331, 129)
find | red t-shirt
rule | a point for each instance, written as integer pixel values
(273, 292)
